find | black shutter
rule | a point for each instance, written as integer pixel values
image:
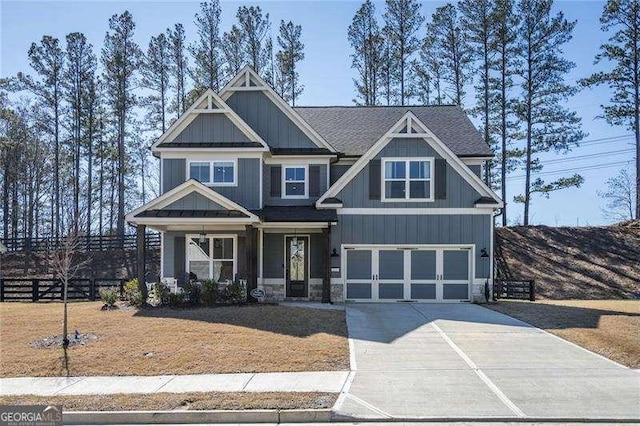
(314, 181)
(440, 176)
(179, 260)
(276, 181)
(374, 179)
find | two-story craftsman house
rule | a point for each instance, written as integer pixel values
(356, 203)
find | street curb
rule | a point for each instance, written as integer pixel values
(196, 416)
(291, 416)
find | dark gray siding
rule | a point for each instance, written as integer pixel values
(338, 170)
(173, 173)
(194, 201)
(273, 265)
(414, 229)
(275, 201)
(211, 128)
(459, 192)
(266, 119)
(247, 193)
(477, 170)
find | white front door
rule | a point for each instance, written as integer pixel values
(392, 273)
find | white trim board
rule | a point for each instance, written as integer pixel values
(411, 122)
(241, 82)
(205, 103)
(419, 211)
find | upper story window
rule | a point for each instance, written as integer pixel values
(295, 184)
(214, 173)
(407, 179)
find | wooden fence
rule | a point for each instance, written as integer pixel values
(48, 289)
(85, 242)
(514, 289)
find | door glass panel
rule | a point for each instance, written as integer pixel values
(359, 264)
(391, 291)
(199, 257)
(391, 265)
(456, 264)
(223, 248)
(222, 270)
(297, 259)
(423, 265)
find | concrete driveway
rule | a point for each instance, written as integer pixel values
(464, 361)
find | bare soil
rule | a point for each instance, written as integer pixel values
(181, 401)
(156, 341)
(573, 262)
(608, 327)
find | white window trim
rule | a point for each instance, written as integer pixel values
(211, 183)
(284, 180)
(210, 238)
(407, 180)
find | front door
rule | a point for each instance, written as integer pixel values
(297, 274)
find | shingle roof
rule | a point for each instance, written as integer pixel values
(210, 145)
(295, 214)
(191, 213)
(352, 130)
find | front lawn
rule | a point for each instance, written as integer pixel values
(181, 401)
(607, 327)
(232, 339)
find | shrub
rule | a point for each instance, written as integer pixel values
(109, 296)
(175, 300)
(132, 293)
(192, 293)
(234, 293)
(159, 294)
(210, 293)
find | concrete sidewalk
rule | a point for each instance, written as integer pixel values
(317, 381)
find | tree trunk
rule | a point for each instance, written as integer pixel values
(503, 131)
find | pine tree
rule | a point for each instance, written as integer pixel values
(233, 48)
(402, 21)
(367, 42)
(121, 61)
(548, 124)
(257, 43)
(155, 71)
(292, 52)
(452, 50)
(47, 60)
(179, 68)
(207, 68)
(622, 53)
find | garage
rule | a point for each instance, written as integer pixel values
(394, 273)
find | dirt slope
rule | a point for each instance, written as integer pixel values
(573, 262)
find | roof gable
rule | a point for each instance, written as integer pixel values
(247, 89)
(409, 126)
(209, 117)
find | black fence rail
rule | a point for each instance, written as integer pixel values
(48, 289)
(85, 242)
(514, 289)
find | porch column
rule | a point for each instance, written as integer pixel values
(326, 264)
(140, 256)
(251, 249)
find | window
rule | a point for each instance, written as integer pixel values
(295, 182)
(214, 173)
(408, 179)
(211, 257)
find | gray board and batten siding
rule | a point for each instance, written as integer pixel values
(246, 193)
(267, 120)
(459, 193)
(210, 127)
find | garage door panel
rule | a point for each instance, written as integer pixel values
(455, 291)
(423, 264)
(423, 291)
(358, 290)
(359, 265)
(455, 265)
(391, 291)
(391, 264)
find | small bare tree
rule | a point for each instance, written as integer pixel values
(620, 197)
(65, 264)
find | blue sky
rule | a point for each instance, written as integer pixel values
(327, 75)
